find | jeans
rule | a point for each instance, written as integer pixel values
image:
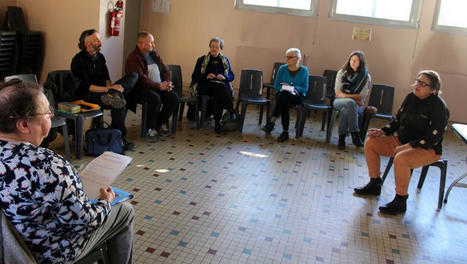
(348, 115)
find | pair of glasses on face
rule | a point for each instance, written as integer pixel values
(422, 83)
(50, 113)
(290, 57)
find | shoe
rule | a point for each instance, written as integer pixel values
(356, 139)
(113, 100)
(397, 206)
(268, 127)
(127, 145)
(164, 131)
(284, 136)
(219, 128)
(151, 135)
(341, 144)
(372, 188)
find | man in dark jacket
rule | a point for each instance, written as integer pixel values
(153, 87)
(90, 69)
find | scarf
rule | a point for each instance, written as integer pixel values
(204, 65)
(355, 82)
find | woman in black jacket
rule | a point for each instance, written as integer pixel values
(413, 137)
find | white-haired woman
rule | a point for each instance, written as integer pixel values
(291, 86)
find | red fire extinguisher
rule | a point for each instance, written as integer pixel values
(115, 17)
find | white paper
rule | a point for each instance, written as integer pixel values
(102, 172)
(288, 88)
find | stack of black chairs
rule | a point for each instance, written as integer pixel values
(28, 48)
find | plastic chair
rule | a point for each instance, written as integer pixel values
(270, 86)
(31, 52)
(8, 53)
(442, 164)
(250, 92)
(176, 75)
(62, 86)
(330, 84)
(57, 121)
(382, 98)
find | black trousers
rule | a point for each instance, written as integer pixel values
(222, 97)
(118, 115)
(156, 99)
(285, 100)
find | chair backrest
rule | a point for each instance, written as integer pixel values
(274, 71)
(382, 97)
(63, 85)
(176, 77)
(23, 77)
(8, 52)
(251, 83)
(13, 249)
(14, 19)
(31, 52)
(316, 90)
(330, 83)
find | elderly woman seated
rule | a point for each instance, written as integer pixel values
(41, 193)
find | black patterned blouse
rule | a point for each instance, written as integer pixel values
(43, 197)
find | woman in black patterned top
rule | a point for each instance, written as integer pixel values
(41, 193)
(413, 137)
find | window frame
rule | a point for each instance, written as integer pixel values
(445, 29)
(411, 23)
(312, 12)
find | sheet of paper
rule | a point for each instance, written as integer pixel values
(102, 172)
(288, 88)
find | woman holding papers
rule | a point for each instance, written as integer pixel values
(291, 86)
(352, 85)
(41, 193)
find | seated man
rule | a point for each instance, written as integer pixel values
(153, 86)
(90, 68)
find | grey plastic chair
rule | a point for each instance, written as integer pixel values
(250, 92)
(270, 86)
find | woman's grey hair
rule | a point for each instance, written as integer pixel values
(435, 80)
(18, 100)
(296, 52)
(217, 39)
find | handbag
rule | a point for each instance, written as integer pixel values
(99, 140)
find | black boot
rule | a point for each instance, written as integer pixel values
(284, 136)
(218, 128)
(398, 205)
(341, 144)
(371, 188)
(356, 139)
(268, 127)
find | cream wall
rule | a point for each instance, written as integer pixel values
(256, 40)
(62, 23)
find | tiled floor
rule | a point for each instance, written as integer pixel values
(244, 198)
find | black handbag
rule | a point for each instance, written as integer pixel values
(99, 140)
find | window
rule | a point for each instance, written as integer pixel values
(380, 12)
(291, 7)
(450, 16)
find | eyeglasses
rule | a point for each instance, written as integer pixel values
(50, 113)
(290, 57)
(422, 83)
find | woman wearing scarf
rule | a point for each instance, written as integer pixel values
(352, 86)
(212, 76)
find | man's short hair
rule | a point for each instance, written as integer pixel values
(83, 37)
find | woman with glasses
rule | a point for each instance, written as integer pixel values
(291, 86)
(42, 195)
(413, 137)
(352, 86)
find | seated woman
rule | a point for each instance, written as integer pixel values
(212, 76)
(41, 193)
(291, 86)
(352, 85)
(414, 138)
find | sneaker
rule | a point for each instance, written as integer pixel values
(113, 100)
(151, 135)
(164, 131)
(284, 136)
(268, 127)
(127, 145)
